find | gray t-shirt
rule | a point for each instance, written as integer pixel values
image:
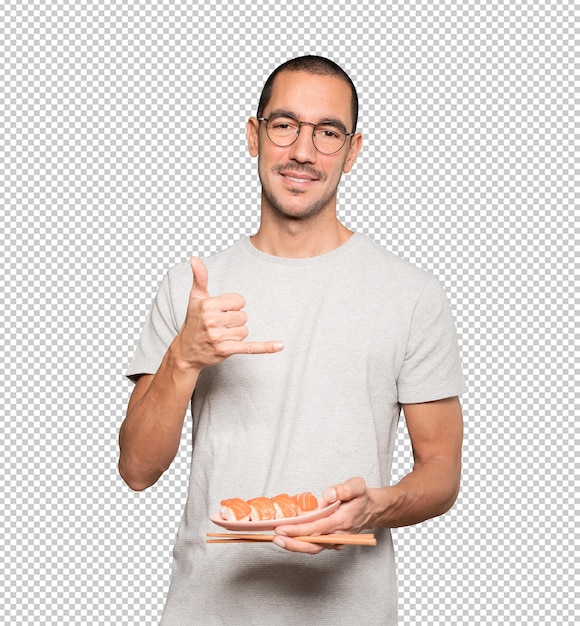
(364, 332)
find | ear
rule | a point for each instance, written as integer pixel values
(252, 132)
(355, 147)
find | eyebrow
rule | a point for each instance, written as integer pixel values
(327, 120)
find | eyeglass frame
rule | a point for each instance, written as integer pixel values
(267, 119)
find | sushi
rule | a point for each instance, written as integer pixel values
(262, 508)
(306, 502)
(285, 506)
(235, 510)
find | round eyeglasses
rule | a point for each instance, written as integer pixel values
(283, 130)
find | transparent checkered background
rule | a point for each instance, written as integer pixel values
(122, 152)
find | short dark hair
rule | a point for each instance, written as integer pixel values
(313, 65)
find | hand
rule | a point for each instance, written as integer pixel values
(353, 515)
(214, 328)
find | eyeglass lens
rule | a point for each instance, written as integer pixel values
(283, 131)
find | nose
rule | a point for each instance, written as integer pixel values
(303, 150)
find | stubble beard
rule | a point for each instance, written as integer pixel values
(308, 211)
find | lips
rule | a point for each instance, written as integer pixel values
(299, 178)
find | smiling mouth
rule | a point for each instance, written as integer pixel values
(298, 178)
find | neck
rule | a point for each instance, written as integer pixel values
(300, 239)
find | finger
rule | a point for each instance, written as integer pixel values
(325, 526)
(233, 319)
(200, 278)
(229, 302)
(218, 308)
(223, 337)
(294, 545)
(227, 348)
(344, 492)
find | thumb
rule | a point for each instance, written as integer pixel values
(200, 277)
(346, 491)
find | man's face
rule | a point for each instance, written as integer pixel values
(297, 180)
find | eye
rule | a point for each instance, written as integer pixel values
(329, 132)
(283, 123)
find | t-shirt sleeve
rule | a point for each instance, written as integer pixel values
(431, 368)
(161, 327)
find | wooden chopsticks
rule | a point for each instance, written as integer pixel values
(364, 539)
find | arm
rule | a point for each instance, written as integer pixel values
(430, 489)
(213, 330)
(150, 434)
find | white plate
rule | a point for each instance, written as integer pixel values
(272, 523)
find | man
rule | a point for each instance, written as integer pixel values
(341, 334)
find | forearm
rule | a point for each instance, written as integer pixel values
(150, 434)
(428, 491)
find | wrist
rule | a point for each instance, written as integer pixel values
(178, 364)
(384, 503)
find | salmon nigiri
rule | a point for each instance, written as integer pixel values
(285, 506)
(262, 509)
(235, 510)
(306, 502)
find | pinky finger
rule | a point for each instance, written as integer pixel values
(253, 347)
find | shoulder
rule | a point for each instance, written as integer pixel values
(384, 266)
